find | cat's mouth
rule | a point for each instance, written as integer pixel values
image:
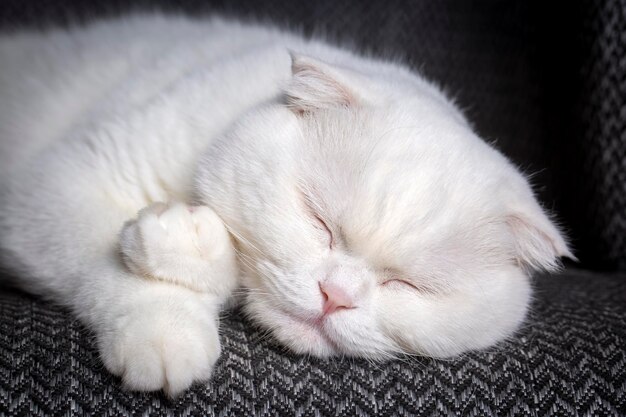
(316, 339)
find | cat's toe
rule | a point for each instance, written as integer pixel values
(195, 231)
(196, 364)
(177, 221)
(213, 238)
(142, 371)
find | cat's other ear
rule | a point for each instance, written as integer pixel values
(538, 242)
(316, 85)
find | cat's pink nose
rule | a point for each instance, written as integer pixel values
(335, 298)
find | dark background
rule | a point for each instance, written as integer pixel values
(545, 82)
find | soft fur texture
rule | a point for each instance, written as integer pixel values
(346, 196)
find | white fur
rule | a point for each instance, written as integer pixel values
(187, 246)
(433, 231)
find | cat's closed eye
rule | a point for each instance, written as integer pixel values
(321, 224)
(318, 220)
(394, 279)
(406, 285)
(401, 283)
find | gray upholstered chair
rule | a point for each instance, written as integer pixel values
(548, 85)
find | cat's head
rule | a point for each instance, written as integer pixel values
(371, 220)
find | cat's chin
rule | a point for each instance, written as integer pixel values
(307, 336)
(302, 335)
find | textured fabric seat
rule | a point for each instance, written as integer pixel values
(545, 84)
(570, 359)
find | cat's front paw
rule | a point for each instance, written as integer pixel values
(165, 340)
(186, 245)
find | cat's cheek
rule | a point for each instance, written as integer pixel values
(487, 310)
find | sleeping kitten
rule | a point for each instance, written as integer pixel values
(152, 165)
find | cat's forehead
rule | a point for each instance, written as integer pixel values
(373, 155)
(346, 139)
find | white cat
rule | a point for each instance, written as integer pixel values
(347, 195)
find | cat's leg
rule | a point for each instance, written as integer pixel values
(156, 335)
(152, 333)
(162, 332)
(181, 244)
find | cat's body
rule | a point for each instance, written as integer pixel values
(368, 218)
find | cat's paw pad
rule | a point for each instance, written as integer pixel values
(186, 245)
(167, 343)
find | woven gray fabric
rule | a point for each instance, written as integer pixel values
(603, 127)
(570, 359)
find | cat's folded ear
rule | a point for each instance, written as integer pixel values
(538, 242)
(317, 85)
